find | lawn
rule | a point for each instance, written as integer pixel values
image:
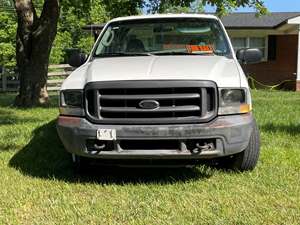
(38, 185)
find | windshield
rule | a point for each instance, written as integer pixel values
(188, 36)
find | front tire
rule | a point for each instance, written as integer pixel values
(247, 159)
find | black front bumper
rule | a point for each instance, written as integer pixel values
(231, 135)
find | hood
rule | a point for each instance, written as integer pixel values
(219, 69)
(222, 70)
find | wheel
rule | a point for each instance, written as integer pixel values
(80, 163)
(247, 159)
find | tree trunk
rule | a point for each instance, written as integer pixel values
(35, 36)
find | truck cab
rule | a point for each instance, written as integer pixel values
(161, 87)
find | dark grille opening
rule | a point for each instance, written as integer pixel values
(149, 90)
(211, 101)
(191, 144)
(150, 144)
(136, 115)
(120, 102)
(97, 145)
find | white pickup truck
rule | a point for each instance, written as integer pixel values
(167, 89)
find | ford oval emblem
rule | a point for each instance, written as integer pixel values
(149, 104)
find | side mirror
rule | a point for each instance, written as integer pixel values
(77, 59)
(249, 55)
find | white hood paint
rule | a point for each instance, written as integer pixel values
(219, 69)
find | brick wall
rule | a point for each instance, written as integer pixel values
(283, 68)
(298, 85)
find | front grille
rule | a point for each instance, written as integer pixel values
(179, 102)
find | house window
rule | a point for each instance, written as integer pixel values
(251, 42)
(259, 43)
(239, 43)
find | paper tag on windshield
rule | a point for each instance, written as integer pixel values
(200, 48)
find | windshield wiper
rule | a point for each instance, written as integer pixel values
(124, 54)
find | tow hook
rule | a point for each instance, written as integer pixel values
(99, 147)
(199, 148)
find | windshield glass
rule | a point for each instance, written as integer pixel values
(163, 37)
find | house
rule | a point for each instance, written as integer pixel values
(275, 34)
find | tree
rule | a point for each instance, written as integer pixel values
(7, 39)
(116, 8)
(222, 6)
(35, 35)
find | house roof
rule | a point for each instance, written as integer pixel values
(250, 20)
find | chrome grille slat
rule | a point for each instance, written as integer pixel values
(154, 96)
(159, 110)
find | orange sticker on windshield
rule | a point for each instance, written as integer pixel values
(200, 48)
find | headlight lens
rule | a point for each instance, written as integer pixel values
(233, 101)
(71, 98)
(71, 102)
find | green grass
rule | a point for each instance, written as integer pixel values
(38, 186)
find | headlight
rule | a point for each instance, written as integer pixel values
(234, 101)
(71, 102)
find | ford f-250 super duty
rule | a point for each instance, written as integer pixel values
(162, 87)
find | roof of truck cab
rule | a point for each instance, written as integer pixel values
(163, 16)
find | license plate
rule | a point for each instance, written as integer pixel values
(106, 134)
